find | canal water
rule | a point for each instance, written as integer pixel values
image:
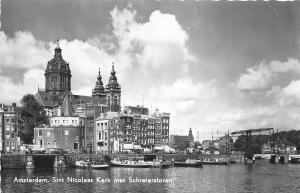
(260, 177)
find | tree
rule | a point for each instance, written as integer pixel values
(32, 114)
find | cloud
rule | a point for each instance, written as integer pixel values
(13, 92)
(290, 95)
(160, 43)
(260, 77)
(22, 51)
(257, 78)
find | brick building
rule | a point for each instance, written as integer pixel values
(10, 142)
(179, 141)
(65, 131)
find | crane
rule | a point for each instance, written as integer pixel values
(248, 132)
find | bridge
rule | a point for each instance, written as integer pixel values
(248, 133)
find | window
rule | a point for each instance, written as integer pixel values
(7, 127)
(67, 133)
(48, 134)
(99, 136)
(105, 136)
(7, 135)
(116, 99)
(75, 145)
(108, 100)
(7, 120)
(12, 135)
(13, 120)
(40, 133)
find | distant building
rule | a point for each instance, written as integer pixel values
(10, 142)
(138, 110)
(177, 140)
(280, 146)
(225, 144)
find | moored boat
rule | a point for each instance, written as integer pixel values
(294, 159)
(91, 165)
(134, 162)
(188, 163)
(214, 162)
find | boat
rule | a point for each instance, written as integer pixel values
(294, 159)
(214, 162)
(91, 165)
(188, 163)
(165, 164)
(134, 162)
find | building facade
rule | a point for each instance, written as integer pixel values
(182, 142)
(10, 142)
(65, 131)
(128, 131)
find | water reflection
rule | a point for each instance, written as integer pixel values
(260, 177)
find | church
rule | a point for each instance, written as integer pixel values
(94, 124)
(58, 86)
(59, 101)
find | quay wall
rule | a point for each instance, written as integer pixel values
(9, 161)
(20, 160)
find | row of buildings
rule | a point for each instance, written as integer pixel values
(93, 123)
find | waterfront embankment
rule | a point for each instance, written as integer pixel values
(20, 160)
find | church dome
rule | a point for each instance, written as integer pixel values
(57, 62)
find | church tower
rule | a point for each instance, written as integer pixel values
(58, 73)
(98, 92)
(113, 92)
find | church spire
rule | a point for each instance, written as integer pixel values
(113, 92)
(99, 89)
(113, 72)
(57, 49)
(113, 79)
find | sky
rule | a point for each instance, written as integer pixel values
(215, 66)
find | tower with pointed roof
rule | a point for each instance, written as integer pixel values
(58, 73)
(98, 92)
(113, 92)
